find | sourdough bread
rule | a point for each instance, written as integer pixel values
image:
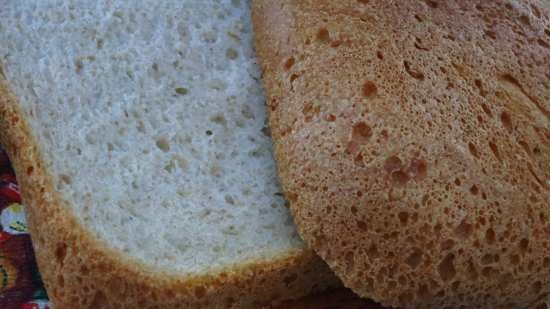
(138, 132)
(413, 142)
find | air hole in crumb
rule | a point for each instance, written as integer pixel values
(479, 86)
(418, 17)
(372, 252)
(393, 164)
(403, 217)
(369, 89)
(208, 132)
(488, 271)
(446, 268)
(486, 109)
(473, 150)
(170, 166)
(400, 177)
(515, 259)
(61, 253)
(163, 144)
(182, 90)
(464, 229)
(323, 35)
(525, 147)
(414, 73)
(379, 55)
(66, 179)
(491, 34)
(474, 190)
(247, 112)
(506, 120)
(231, 54)
(362, 225)
(141, 127)
(363, 1)
(361, 133)
(358, 160)
(414, 259)
(219, 119)
(447, 244)
(524, 245)
(418, 45)
(78, 65)
(229, 200)
(289, 63)
(525, 20)
(110, 147)
(431, 3)
(490, 236)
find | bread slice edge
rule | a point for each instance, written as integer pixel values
(82, 271)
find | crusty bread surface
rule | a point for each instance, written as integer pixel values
(413, 143)
(138, 135)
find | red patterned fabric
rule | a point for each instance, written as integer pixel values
(20, 284)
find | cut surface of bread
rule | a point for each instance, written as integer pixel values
(138, 132)
(413, 143)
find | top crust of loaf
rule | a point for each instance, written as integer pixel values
(413, 142)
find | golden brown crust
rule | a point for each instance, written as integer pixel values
(413, 141)
(79, 271)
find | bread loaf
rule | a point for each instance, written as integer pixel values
(413, 142)
(137, 130)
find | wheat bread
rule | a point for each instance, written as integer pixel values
(413, 142)
(138, 134)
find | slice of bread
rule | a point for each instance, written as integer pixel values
(413, 142)
(138, 133)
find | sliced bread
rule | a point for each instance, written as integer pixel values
(138, 133)
(413, 142)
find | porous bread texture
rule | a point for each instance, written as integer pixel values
(413, 142)
(151, 120)
(138, 134)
